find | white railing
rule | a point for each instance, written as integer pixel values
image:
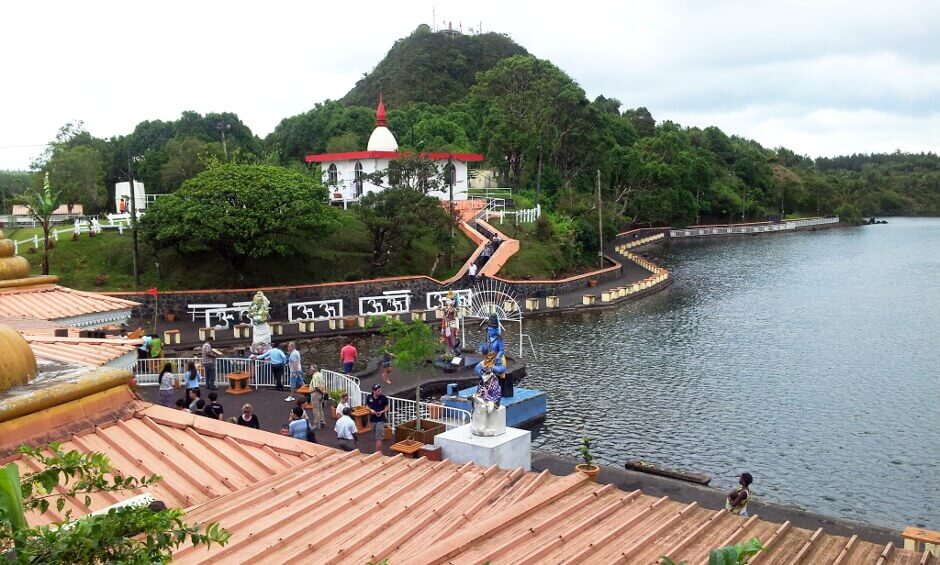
(340, 381)
(83, 226)
(522, 216)
(487, 193)
(400, 409)
(754, 228)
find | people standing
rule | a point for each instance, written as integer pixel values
(208, 362)
(346, 437)
(278, 361)
(156, 346)
(166, 380)
(299, 427)
(191, 376)
(248, 417)
(295, 368)
(472, 273)
(737, 500)
(343, 404)
(317, 395)
(378, 407)
(387, 356)
(348, 356)
(213, 409)
(194, 396)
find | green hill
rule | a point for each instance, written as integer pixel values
(431, 67)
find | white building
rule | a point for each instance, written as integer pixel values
(344, 173)
(122, 197)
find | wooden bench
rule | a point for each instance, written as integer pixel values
(914, 538)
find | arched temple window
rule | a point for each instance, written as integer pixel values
(332, 175)
(450, 174)
(358, 178)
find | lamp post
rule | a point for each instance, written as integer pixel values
(223, 127)
(130, 179)
(450, 175)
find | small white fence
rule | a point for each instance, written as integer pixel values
(754, 228)
(400, 409)
(522, 216)
(119, 222)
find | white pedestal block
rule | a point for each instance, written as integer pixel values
(510, 450)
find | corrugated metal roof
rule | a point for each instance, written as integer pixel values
(52, 302)
(199, 459)
(86, 351)
(349, 508)
(37, 326)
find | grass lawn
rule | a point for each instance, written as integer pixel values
(344, 255)
(537, 259)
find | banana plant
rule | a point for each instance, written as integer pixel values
(42, 203)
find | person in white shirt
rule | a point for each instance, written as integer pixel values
(295, 369)
(472, 273)
(343, 404)
(345, 429)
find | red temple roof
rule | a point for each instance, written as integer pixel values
(350, 155)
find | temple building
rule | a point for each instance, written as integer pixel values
(346, 174)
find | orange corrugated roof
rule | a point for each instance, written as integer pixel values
(52, 302)
(199, 459)
(342, 507)
(37, 326)
(85, 351)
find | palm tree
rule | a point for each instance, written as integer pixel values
(42, 203)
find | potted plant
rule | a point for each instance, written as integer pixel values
(413, 346)
(170, 314)
(335, 395)
(588, 467)
(592, 283)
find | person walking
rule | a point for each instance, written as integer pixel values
(295, 368)
(387, 356)
(737, 500)
(378, 407)
(166, 380)
(278, 361)
(208, 362)
(248, 418)
(191, 376)
(213, 409)
(345, 428)
(472, 273)
(348, 356)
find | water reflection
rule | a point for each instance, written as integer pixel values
(808, 359)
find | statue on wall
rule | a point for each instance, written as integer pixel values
(450, 323)
(259, 313)
(489, 418)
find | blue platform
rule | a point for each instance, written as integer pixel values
(526, 406)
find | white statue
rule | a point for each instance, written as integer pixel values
(259, 313)
(488, 418)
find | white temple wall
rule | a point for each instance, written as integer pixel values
(344, 188)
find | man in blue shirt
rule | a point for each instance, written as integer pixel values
(378, 407)
(278, 360)
(298, 426)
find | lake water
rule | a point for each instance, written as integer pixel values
(809, 359)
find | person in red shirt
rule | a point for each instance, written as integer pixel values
(348, 355)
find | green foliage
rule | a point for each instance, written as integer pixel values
(42, 202)
(396, 217)
(431, 67)
(412, 345)
(240, 212)
(729, 555)
(336, 394)
(130, 534)
(586, 455)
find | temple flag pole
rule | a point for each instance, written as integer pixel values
(600, 223)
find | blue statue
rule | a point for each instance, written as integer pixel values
(489, 418)
(494, 345)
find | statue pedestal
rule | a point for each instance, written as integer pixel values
(261, 334)
(487, 424)
(510, 450)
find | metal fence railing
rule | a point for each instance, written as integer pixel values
(751, 228)
(259, 375)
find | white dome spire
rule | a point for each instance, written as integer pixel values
(381, 138)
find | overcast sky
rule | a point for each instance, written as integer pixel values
(822, 77)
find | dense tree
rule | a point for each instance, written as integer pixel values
(396, 217)
(185, 158)
(413, 172)
(12, 184)
(240, 212)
